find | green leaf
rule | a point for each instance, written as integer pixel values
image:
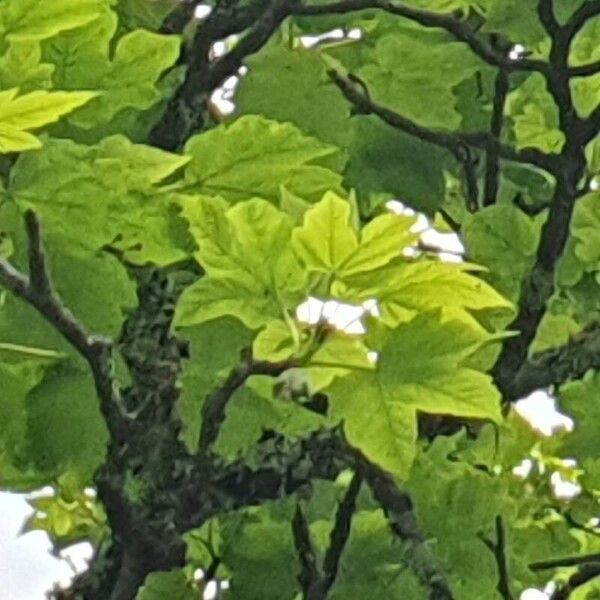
(579, 400)
(503, 239)
(383, 159)
(258, 543)
(376, 421)
(111, 185)
(126, 77)
(167, 584)
(21, 67)
(254, 410)
(397, 79)
(421, 365)
(215, 349)
(274, 342)
(381, 240)
(65, 430)
(326, 240)
(318, 109)
(584, 228)
(254, 157)
(534, 116)
(33, 20)
(32, 111)
(404, 289)
(245, 250)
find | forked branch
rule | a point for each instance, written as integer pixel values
(38, 291)
(455, 142)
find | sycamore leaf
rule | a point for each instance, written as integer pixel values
(421, 366)
(254, 157)
(404, 289)
(252, 273)
(326, 239)
(126, 72)
(31, 111)
(35, 20)
(381, 240)
(374, 421)
(274, 342)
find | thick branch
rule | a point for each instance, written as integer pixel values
(559, 365)
(538, 285)
(455, 142)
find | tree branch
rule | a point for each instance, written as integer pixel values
(566, 561)
(455, 142)
(558, 365)
(282, 467)
(310, 576)
(37, 291)
(585, 70)
(568, 171)
(582, 15)
(213, 410)
(447, 21)
(492, 165)
(340, 534)
(185, 112)
(582, 576)
(498, 549)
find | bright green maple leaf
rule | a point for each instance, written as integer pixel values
(406, 288)
(252, 273)
(34, 20)
(326, 239)
(255, 157)
(19, 114)
(376, 421)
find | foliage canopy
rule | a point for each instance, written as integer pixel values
(158, 256)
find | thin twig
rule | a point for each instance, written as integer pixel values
(565, 561)
(498, 549)
(492, 165)
(447, 21)
(455, 142)
(582, 576)
(309, 576)
(213, 410)
(340, 533)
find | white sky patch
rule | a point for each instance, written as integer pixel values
(595, 184)
(540, 411)
(345, 317)
(448, 246)
(27, 567)
(202, 11)
(517, 52)
(310, 41)
(562, 488)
